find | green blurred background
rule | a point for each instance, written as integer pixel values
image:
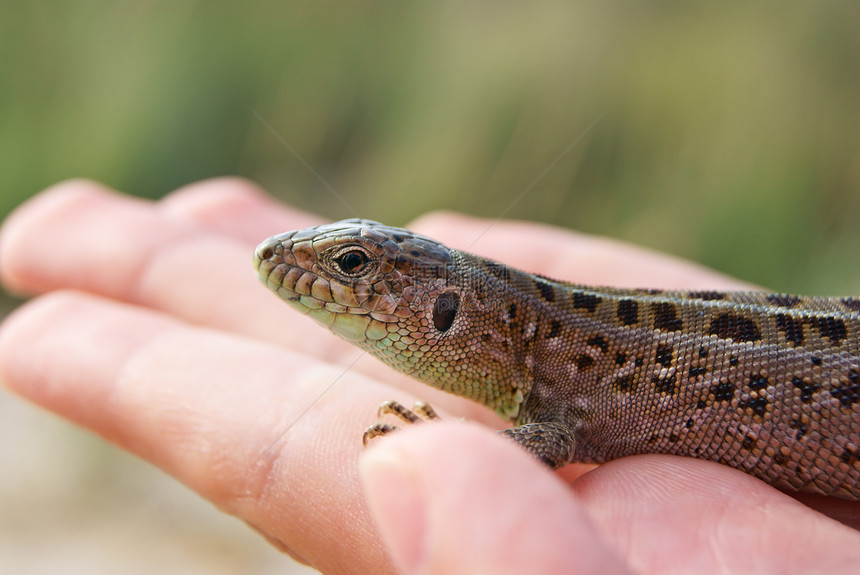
(729, 132)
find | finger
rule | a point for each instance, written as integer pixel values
(571, 256)
(443, 507)
(232, 418)
(667, 511)
(235, 208)
(134, 251)
(65, 238)
(82, 236)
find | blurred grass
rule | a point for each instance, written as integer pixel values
(729, 135)
(730, 132)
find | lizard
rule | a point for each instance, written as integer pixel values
(767, 383)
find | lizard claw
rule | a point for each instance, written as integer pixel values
(420, 412)
(376, 430)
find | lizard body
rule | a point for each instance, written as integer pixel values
(766, 383)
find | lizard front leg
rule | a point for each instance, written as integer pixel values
(551, 442)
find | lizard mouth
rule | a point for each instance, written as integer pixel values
(289, 266)
(277, 269)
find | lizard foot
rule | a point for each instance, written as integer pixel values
(420, 412)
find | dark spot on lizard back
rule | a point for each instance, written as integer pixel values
(792, 328)
(801, 428)
(587, 301)
(807, 389)
(584, 361)
(758, 405)
(665, 385)
(847, 396)
(735, 327)
(620, 358)
(696, 371)
(782, 300)
(512, 312)
(625, 382)
(628, 312)
(748, 442)
(546, 291)
(848, 457)
(599, 342)
(723, 391)
(852, 303)
(815, 360)
(663, 356)
(707, 295)
(665, 318)
(554, 328)
(734, 361)
(830, 327)
(758, 382)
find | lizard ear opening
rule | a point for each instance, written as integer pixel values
(445, 310)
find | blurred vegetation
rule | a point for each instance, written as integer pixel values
(729, 132)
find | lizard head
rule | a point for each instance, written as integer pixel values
(402, 297)
(356, 277)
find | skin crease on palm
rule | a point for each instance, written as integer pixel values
(151, 329)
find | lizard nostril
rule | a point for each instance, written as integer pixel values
(265, 250)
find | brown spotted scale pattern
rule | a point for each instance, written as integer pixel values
(765, 383)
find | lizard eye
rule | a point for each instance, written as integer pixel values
(353, 261)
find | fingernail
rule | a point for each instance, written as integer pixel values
(395, 498)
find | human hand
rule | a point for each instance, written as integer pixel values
(154, 332)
